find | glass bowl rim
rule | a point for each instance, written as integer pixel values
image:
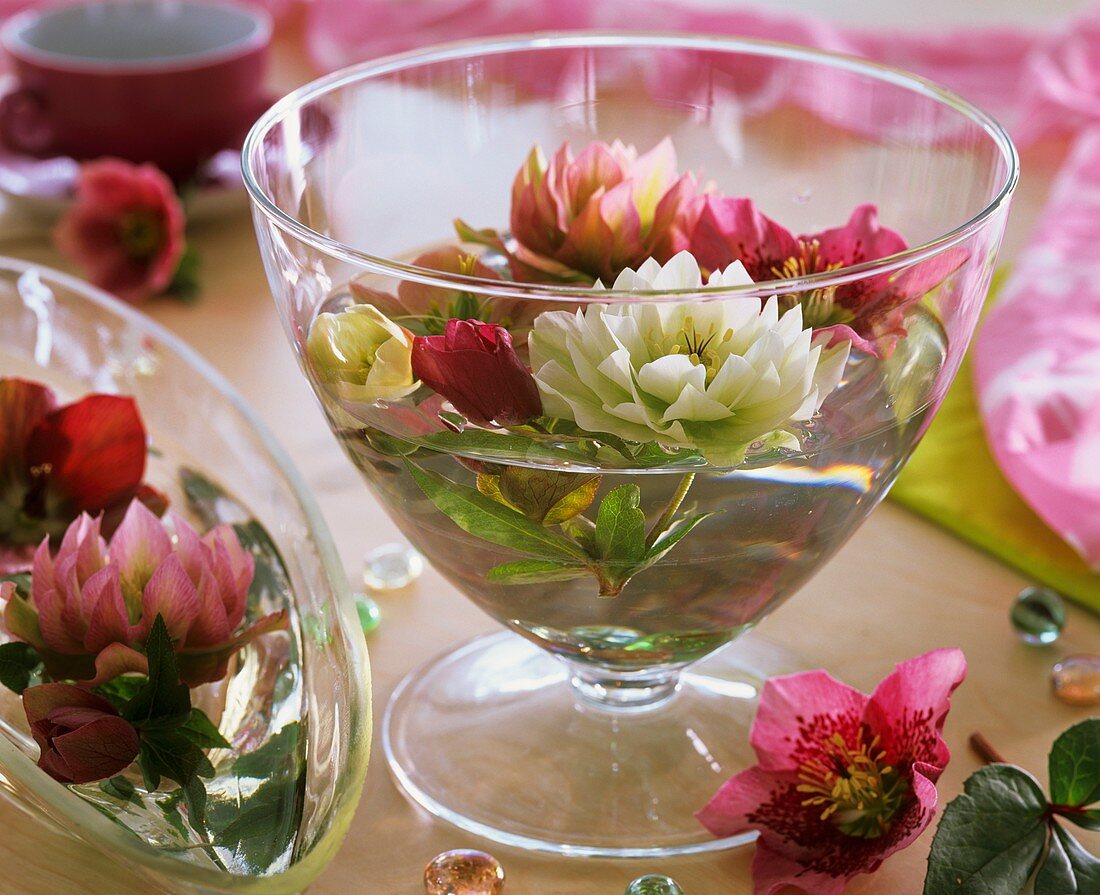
(88, 824)
(252, 154)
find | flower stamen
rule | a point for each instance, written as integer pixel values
(854, 786)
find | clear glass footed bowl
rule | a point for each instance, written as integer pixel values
(626, 470)
(296, 704)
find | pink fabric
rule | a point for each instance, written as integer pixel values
(1037, 363)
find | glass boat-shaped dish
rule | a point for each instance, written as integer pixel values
(296, 704)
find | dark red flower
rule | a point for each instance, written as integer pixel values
(125, 228)
(869, 312)
(59, 462)
(81, 736)
(474, 366)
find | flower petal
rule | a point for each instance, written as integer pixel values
(908, 709)
(139, 546)
(115, 661)
(171, 594)
(798, 712)
(98, 749)
(94, 450)
(23, 404)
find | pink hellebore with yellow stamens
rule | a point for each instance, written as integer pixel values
(576, 219)
(93, 605)
(869, 312)
(844, 779)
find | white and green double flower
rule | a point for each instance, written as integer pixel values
(714, 375)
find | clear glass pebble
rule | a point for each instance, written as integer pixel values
(654, 884)
(464, 872)
(1038, 615)
(392, 567)
(370, 615)
(1076, 679)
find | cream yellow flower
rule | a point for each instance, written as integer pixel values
(714, 375)
(363, 354)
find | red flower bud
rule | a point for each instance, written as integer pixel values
(474, 366)
(82, 737)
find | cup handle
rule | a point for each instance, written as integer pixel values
(25, 124)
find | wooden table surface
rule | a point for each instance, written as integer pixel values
(900, 587)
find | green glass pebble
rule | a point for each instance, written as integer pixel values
(1038, 615)
(370, 615)
(654, 884)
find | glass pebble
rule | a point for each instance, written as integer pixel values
(1076, 679)
(654, 884)
(369, 612)
(464, 872)
(392, 566)
(1038, 615)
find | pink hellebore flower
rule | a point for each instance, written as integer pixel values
(844, 780)
(92, 606)
(592, 216)
(81, 736)
(125, 228)
(869, 312)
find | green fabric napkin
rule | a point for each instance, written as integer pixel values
(954, 481)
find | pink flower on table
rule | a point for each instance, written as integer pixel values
(474, 366)
(869, 312)
(843, 779)
(81, 736)
(125, 228)
(576, 219)
(93, 605)
(59, 461)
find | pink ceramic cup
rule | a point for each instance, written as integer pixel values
(159, 81)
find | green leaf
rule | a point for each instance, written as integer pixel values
(280, 747)
(520, 448)
(1068, 868)
(991, 837)
(582, 530)
(675, 533)
(533, 571)
(1074, 765)
(484, 518)
(545, 495)
(19, 664)
(122, 789)
(201, 731)
(162, 701)
(620, 527)
(1090, 820)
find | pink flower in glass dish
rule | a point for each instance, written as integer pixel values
(576, 219)
(81, 736)
(869, 313)
(474, 366)
(125, 228)
(93, 605)
(843, 779)
(59, 461)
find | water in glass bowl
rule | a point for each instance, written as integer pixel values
(763, 526)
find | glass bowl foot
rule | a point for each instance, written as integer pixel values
(496, 739)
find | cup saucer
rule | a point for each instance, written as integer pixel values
(44, 187)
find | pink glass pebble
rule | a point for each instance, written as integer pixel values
(464, 872)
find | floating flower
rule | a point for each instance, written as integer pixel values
(125, 228)
(58, 462)
(716, 375)
(363, 354)
(81, 736)
(92, 607)
(870, 312)
(844, 780)
(607, 209)
(474, 366)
